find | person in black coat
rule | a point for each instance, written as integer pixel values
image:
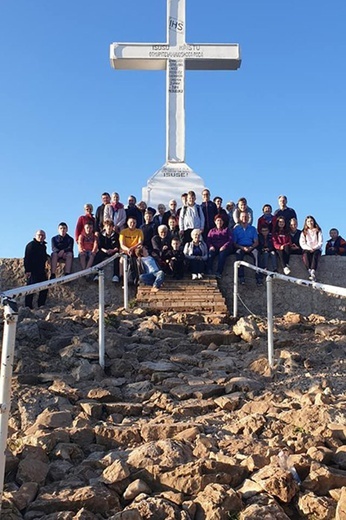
(161, 244)
(35, 259)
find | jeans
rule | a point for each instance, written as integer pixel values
(154, 279)
(240, 254)
(222, 256)
(264, 259)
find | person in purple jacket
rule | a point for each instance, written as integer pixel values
(220, 243)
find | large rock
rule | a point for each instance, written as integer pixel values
(319, 508)
(277, 483)
(98, 499)
(217, 502)
(321, 479)
(341, 507)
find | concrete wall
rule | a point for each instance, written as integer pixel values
(286, 296)
(291, 297)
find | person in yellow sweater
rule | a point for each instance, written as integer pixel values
(129, 239)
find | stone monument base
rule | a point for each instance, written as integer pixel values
(169, 182)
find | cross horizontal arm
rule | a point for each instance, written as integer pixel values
(144, 56)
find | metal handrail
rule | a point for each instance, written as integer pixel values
(270, 276)
(8, 301)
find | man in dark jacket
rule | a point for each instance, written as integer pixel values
(62, 250)
(35, 266)
(106, 199)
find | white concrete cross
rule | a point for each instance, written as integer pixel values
(175, 57)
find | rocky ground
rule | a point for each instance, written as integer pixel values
(187, 421)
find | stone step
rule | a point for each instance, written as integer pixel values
(177, 297)
(184, 295)
(185, 306)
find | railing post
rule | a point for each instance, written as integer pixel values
(235, 289)
(102, 318)
(269, 282)
(7, 356)
(126, 282)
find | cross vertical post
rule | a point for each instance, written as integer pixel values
(175, 102)
(175, 56)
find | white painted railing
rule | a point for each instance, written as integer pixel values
(8, 300)
(270, 276)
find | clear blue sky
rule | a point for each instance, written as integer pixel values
(71, 127)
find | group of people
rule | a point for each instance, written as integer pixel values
(163, 242)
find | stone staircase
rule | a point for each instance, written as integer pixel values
(184, 296)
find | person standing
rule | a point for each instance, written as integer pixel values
(190, 217)
(283, 210)
(133, 211)
(242, 205)
(35, 259)
(171, 212)
(210, 211)
(115, 211)
(83, 219)
(99, 215)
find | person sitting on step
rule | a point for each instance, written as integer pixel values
(196, 254)
(336, 245)
(266, 219)
(87, 246)
(160, 246)
(220, 243)
(175, 259)
(149, 271)
(108, 242)
(311, 241)
(173, 228)
(129, 238)
(245, 239)
(266, 252)
(62, 250)
(148, 229)
(282, 243)
(295, 237)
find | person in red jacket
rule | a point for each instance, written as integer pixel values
(282, 244)
(266, 219)
(336, 245)
(83, 219)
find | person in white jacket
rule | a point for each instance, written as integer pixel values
(311, 241)
(196, 254)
